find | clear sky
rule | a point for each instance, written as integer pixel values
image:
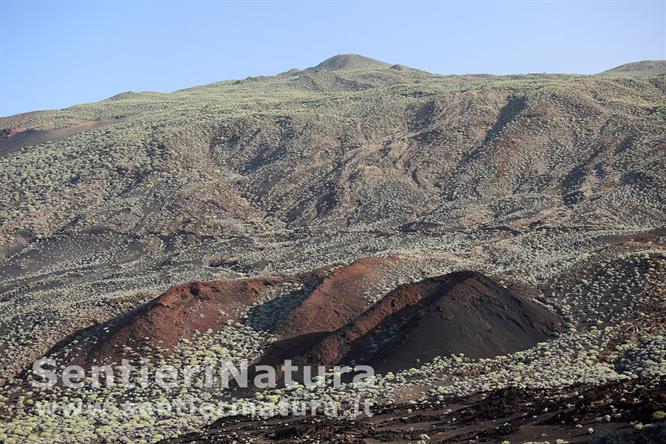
(54, 54)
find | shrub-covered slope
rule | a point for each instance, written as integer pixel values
(367, 147)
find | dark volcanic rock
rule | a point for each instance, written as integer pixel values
(462, 312)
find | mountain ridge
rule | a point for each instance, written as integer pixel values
(350, 62)
(643, 67)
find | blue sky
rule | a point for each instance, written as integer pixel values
(54, 54)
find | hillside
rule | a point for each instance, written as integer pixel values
(265, 217)
(642, 68)
(322, 150)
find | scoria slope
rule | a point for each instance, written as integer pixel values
(462, 312)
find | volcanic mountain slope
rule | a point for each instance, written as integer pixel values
(642, 68)
(463, 312)
(246, 167)
(550, 182)
(366, 146)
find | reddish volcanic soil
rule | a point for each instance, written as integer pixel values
(336, 300)
(180, 312)
(196, 307)
(462, 312)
